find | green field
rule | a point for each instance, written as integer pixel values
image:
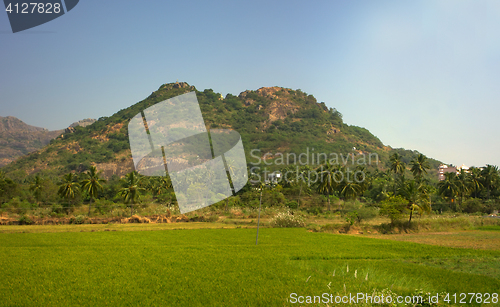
(223, 267)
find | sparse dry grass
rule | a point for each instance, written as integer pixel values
(113, 227)
(475, 239)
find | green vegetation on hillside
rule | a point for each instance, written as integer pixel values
(269, 120)
(345, 165)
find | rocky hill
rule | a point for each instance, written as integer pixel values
(18, 138)
(272, 121)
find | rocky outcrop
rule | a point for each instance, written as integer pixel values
(279, 107)
(119, 169)
(83, 123)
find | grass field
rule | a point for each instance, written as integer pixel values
(223, 267)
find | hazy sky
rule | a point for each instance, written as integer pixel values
(421, 75)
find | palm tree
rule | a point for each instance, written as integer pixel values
(69, 186)
(416, 195)
(92, 183)
(419, 166)
(37, 188)
(383, 180)
(303, 170)
(462, 184)
(475, 180)
(396, 164)
(448, 187)
(490, 177)
(132, 189)
(363, 177)
(159, 184)
(329, 181)
(350, 190)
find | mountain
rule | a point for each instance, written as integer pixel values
(273, 122)
(18, 138)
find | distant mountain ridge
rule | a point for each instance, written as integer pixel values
(18, 138)
(13, 124)
(270, 120)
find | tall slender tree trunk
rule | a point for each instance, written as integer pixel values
(90, 205)
(329, 207)
(131, 209)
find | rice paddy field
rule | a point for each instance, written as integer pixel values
(223, 267)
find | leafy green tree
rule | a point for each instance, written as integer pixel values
(92, 184)
(132, 189)
(69, 186)
(8, 188)
(394, 207)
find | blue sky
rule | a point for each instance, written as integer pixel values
(421, 75)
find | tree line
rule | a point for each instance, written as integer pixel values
(401, 189)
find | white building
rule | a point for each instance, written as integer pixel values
(443, 169)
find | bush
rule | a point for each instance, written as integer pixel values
(57, 208)
(472, 205)
(287, 220)
(315, 211)
(490, 206)
(24, 220)
(203, 218)
(366, 213)
(394, 208)
(80, 219)
(359, 212)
